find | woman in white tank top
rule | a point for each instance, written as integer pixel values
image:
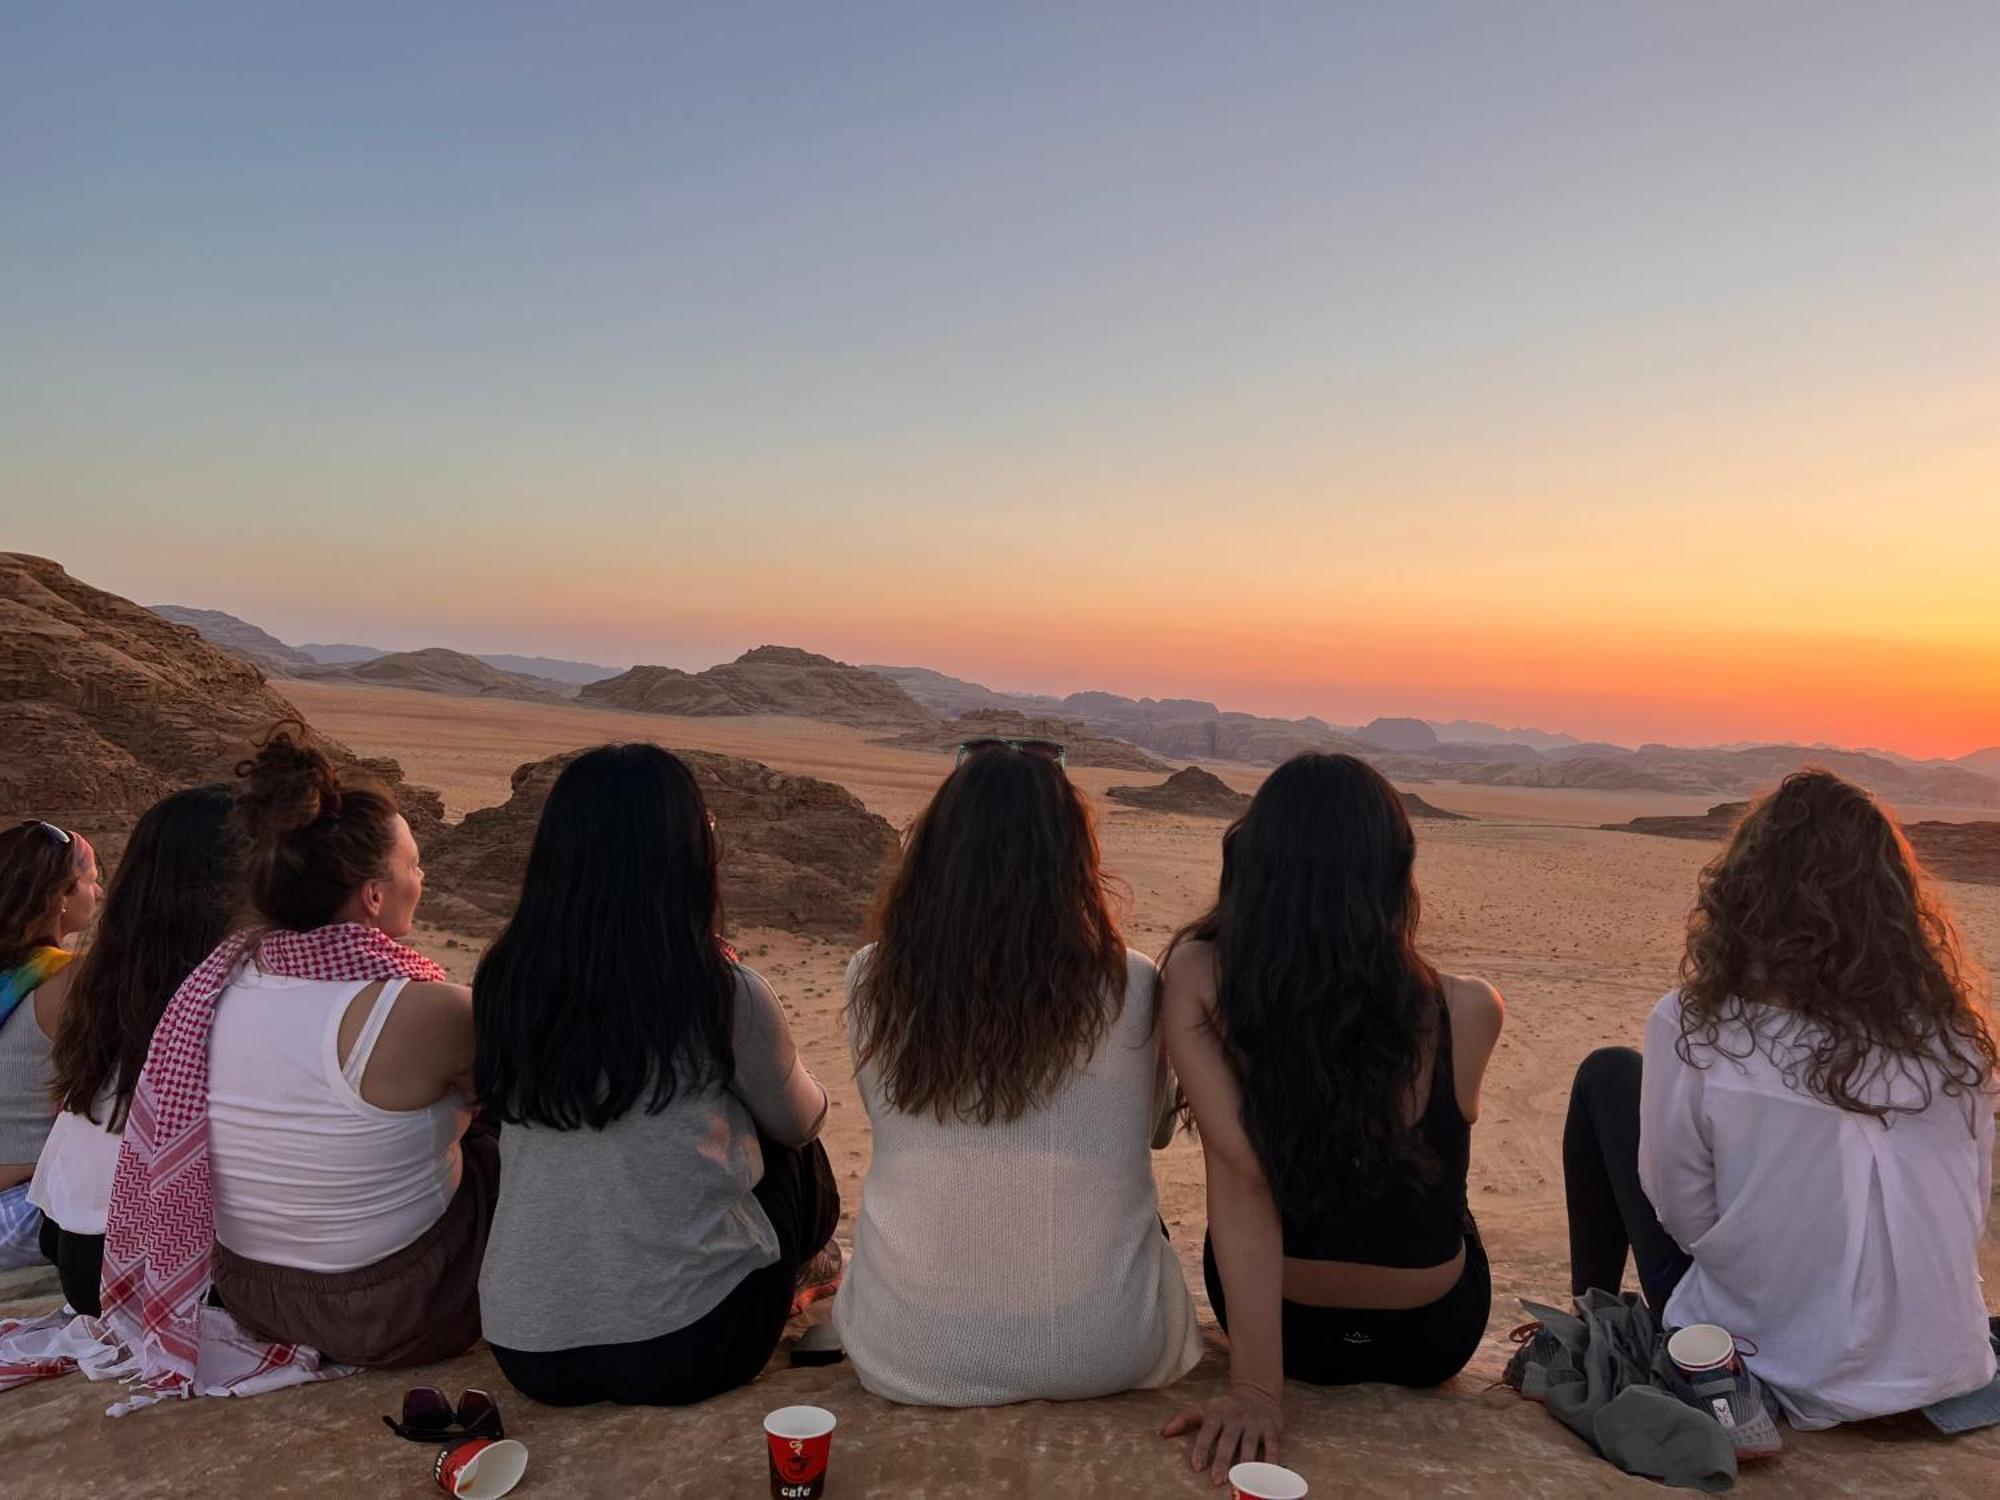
(351, 1202)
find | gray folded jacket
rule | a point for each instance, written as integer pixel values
(1600, 1376)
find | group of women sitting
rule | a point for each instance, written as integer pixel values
(604, 1154)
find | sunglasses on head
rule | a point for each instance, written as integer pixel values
(61, 836)
(428, 1415)
(1045, 749)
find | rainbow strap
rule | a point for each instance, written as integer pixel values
(42, 965)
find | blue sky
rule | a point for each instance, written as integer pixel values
(1431, 358)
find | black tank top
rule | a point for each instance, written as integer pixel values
(1415, 1223)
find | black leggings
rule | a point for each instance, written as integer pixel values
(727, 1346)
(79, 1262)
(1414, 1346)
(1609, 1212)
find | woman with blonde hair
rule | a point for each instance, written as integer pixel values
(1804, 1153)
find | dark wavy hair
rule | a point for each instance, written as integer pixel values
(314, 835)
(611, 983)
(998, 965)
(1322, 1000)
(36, 867)
(171, 902)
(1818, 908)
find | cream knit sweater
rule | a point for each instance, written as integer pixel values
(1021, 1260)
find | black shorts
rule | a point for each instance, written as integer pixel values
(1414, 1346)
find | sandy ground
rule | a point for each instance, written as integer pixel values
(1579, 928)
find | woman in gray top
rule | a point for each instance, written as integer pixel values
(664, 1202)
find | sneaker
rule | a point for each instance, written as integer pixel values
(819, 1278)
(1740, 1402)
(1528, 1367)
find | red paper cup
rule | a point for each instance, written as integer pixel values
(1265, 1482)
(799, 1439)
(480, 1468)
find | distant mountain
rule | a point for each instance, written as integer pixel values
(768, 680)
(1474, 732)
(1986, 762)
(1194, 729)
(1953, 851)
(1085, 746)
(1667, 768)
(339, 655)
(954, 695)
(554, 668)
(436, 669)
(240, 637)
(1398, 734)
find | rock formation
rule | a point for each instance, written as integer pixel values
(1086, 747)
(1399, 734)
(1950, 851)
(240, 638)
(797, 853)
(768, 680)
(1199, 794)
(1193, 792)
(106, 707)
(437, 669)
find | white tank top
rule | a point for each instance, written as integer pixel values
(307, 1173)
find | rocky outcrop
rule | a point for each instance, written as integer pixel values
(798, 853)
(438, 669)
(106, 707)
(240, 638)
(769, 680)
(951, 696)
(1192, 792)
(1085, 747)
(1399, 734)
(1951, 851)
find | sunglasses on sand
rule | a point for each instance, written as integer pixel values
(1045, 749)
(429, 1416)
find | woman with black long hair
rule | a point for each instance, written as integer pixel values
(1006, 1044)
(1334, 1076)
(171, 902)
(666, 1201)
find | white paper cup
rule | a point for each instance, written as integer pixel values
(1265, 1482)
(1701, 1346)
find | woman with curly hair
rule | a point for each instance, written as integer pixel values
(1334, 1076)
(1804, 1154)
(1009, 1246)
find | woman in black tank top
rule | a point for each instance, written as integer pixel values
(1316, 1047)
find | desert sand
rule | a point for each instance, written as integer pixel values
(1579, 927)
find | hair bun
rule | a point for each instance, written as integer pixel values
(291, 783)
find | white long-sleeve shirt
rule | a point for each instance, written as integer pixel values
(1847, 1251)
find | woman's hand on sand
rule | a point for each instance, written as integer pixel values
(1239, 1427)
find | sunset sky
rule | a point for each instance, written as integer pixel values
(1629, 369)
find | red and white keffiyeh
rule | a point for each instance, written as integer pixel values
(160, 1232)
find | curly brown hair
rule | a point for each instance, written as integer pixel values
(998, 965)
(1817, 907)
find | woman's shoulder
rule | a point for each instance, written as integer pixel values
(1473, 1002)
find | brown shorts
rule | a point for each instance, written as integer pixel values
(418, 1305)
